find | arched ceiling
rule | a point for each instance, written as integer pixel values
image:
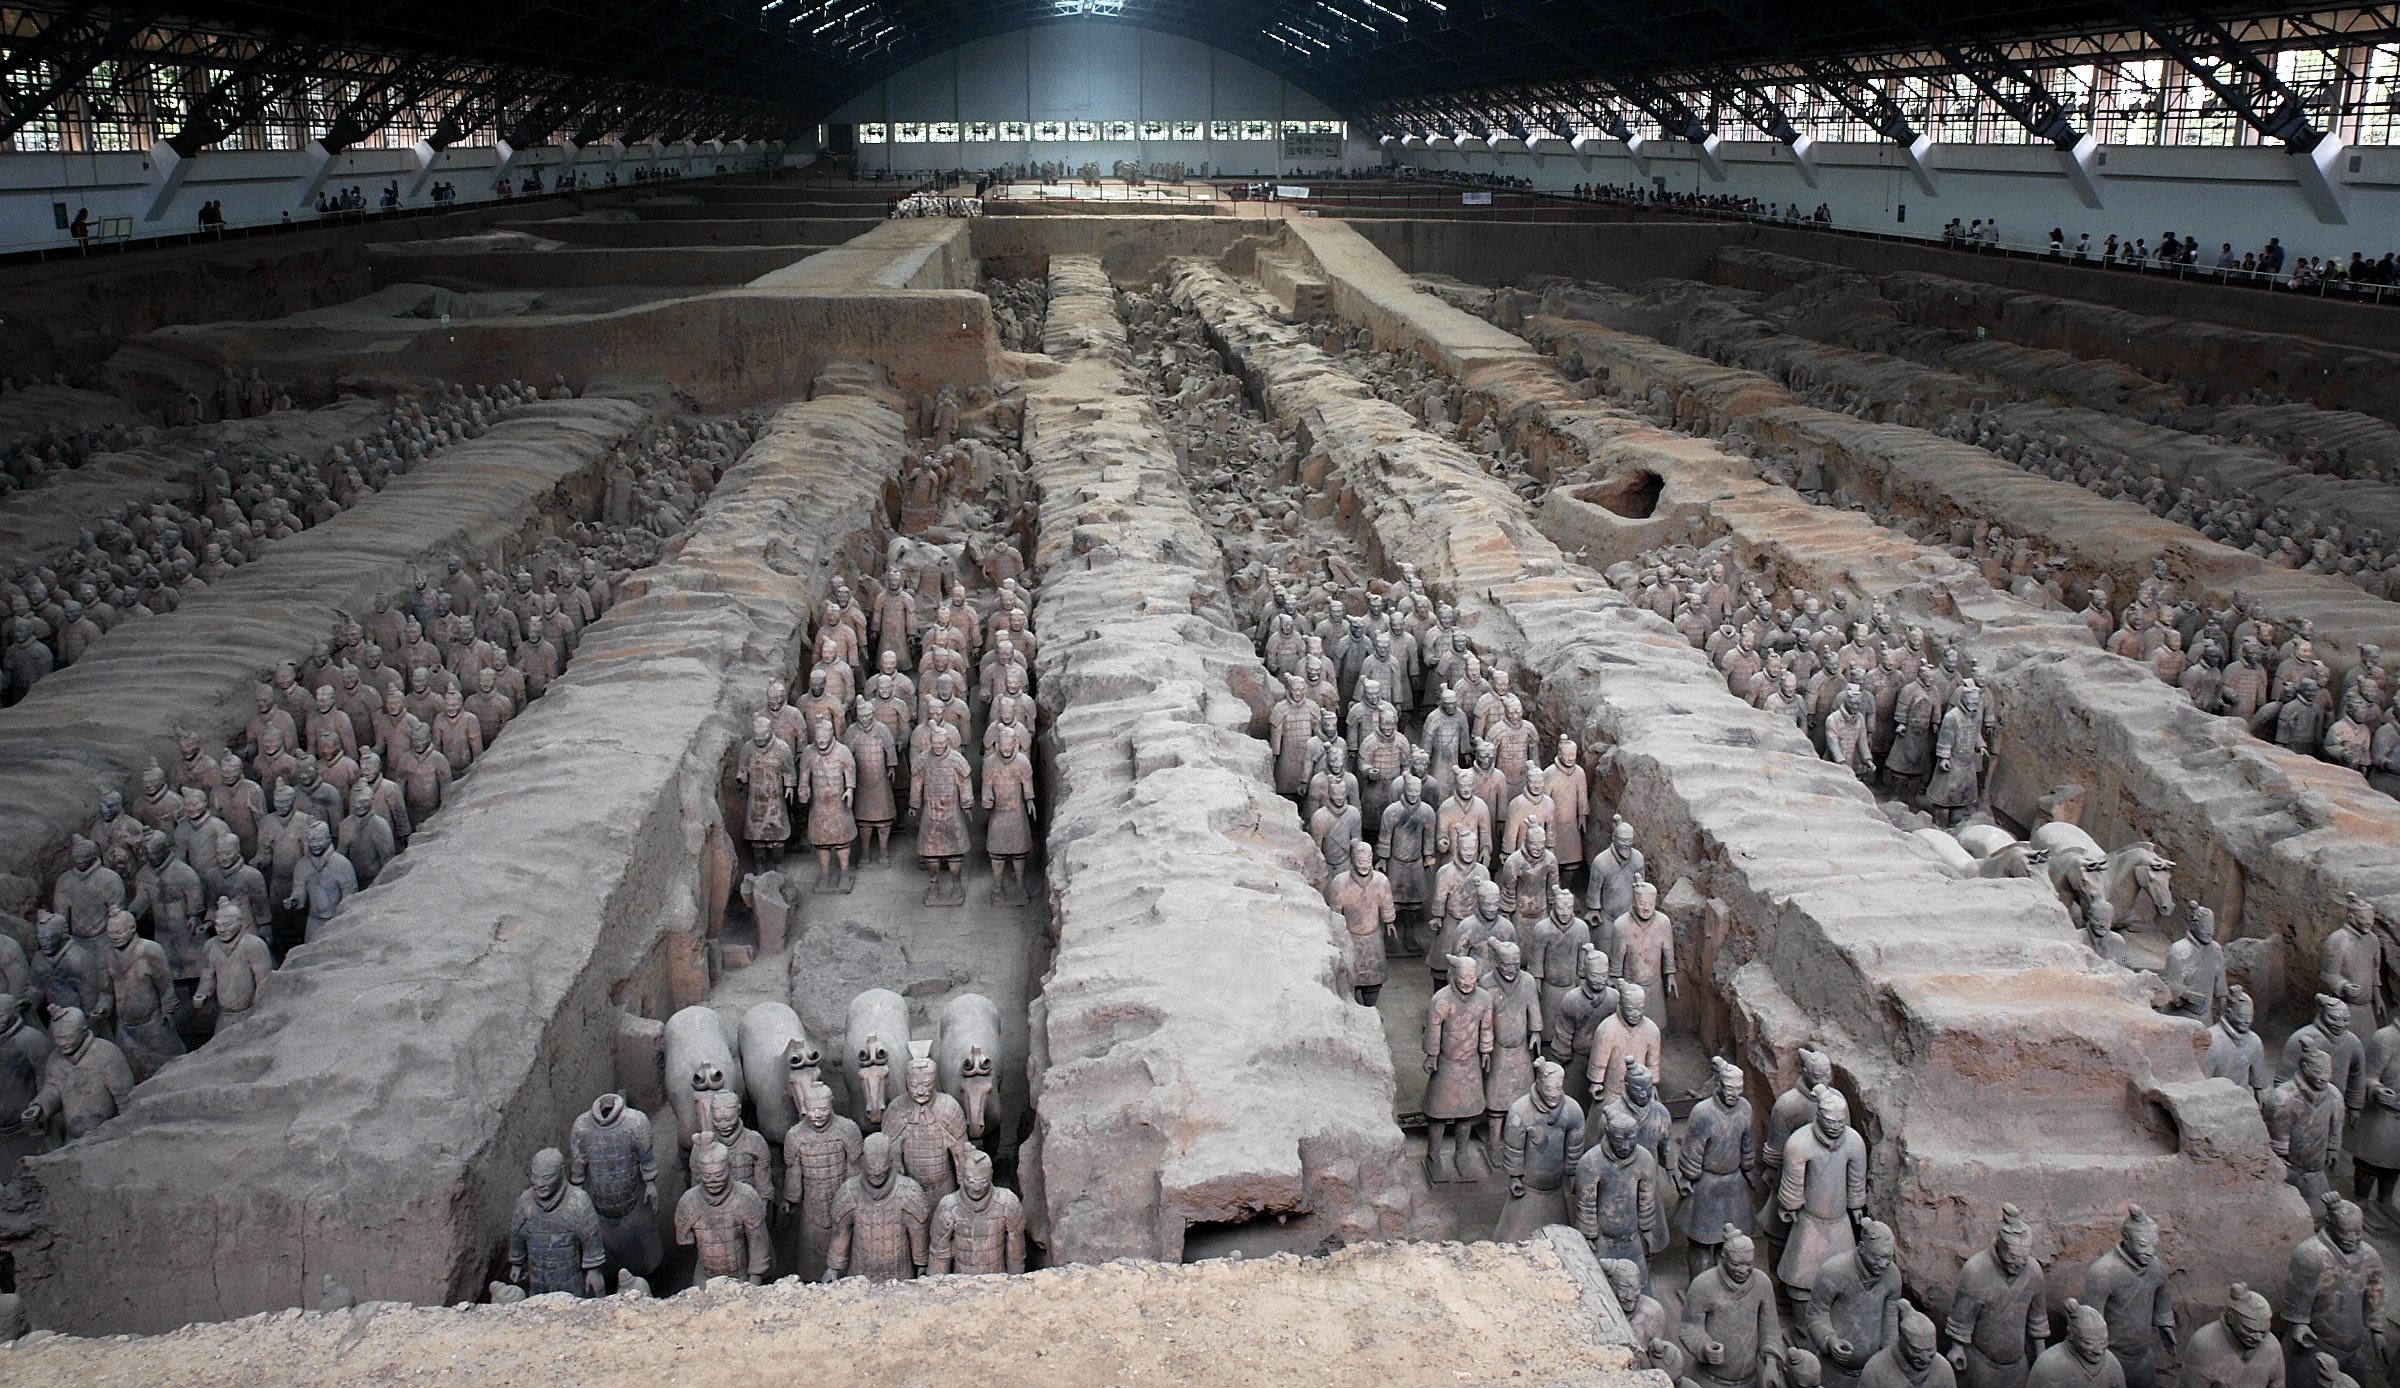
(776, 66)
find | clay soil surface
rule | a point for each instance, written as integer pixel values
(1387, 1315)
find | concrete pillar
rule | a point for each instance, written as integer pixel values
(1919, 154)
(2082, 165)
(424, 156)
(2321, 172)
(316, 167)
(1712, 161)
(1801, 147)
(168, 170)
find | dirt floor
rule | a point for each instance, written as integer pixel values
(1387, 1315)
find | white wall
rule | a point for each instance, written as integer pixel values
(1087, 69)
(260, 186)
(2243, 195)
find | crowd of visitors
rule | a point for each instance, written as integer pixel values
(2269, 265)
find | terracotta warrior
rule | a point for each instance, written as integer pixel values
(1580, 1014)
(1458, 1042)
(234, 965)
(1407, 851)
(879, 1219)
(819, 1154)
(745, 1150)
(2127, 1286)
(1959, 753)
(2195, 968)
(2081, 1360)
(554, 1242)
(768, 773)
(1913, 1361)
(1552, 956)
(1822, 1193)
(1008, 801)
(1541, 1140)
(1642, 943)
(2235, 1052)
(1613, 874)
(321, 881)
(145, 998)
(1618, 1207)
(875, 753)
(1624, 1036)
(2000, 1313)
(86, 1081)
(941, 787)
(1854, 1309)
(927, 1128)
(1654, 1344)
(1516, 1039)
(612, 1161)
(978, 1228)
(1730, 1329)
(2305, 1124)
(828, 784)
(2236, 1350)
(1716, 1168)
(2333, 1299)
(723, 1218)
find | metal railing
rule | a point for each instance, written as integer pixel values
(66, 247)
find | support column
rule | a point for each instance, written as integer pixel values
(1801, 148)
(316, 167)
(168, 169)
(426, 155)
(1919, 154)
(2082, 164)
(2320, 172)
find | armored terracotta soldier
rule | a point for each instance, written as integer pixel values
(457, 734)
(1822, 1193)
(820, 1152)
(89, 889)
(2237, 1349)
(874, 753)
(145, 998)
(1623, 1036)
(1458, 1041)
(978, 1228)
(1527, 876)
(2333, 1299)
(1516, 1037)
(1854, 1309)
(118, 835)
(1484, 928)
(1552, 954)
(2195, 967)
(167, 892)
(611, 1160)
(2235, 1050)
(940, 791)
(1445, 739)
(725, 1219)
(87, 1080)
(1457, 891)
(1914, 1360)
(1463, 807)
(231, 877)
(70, 971)
(927, 1128)
(234, 965)
(554, 1242)
(1654, 1344)
(1618, 1206)
(1008, 800)
(1570, 790)
(2330, 1031)
(827, 777)
(1580, 1014)
(768, 773)
(1642, 943)
(1730, 1331)
(423, 773)
(364, 837)
(2305, 1123)
(1999, 1313)
(1407, 853)
(1541, 1141)
(24, 1059)
(1614, 872)
(879, 1220)
(822, 703)
(2127, 1287)
(1362, 897)
(488, 705)
(745, 1151)
(1959, 752)
(1335, 827)
(239, 802)
(1716, 1166)
(2375, 1132)
(1516, 748)
(321, 881)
